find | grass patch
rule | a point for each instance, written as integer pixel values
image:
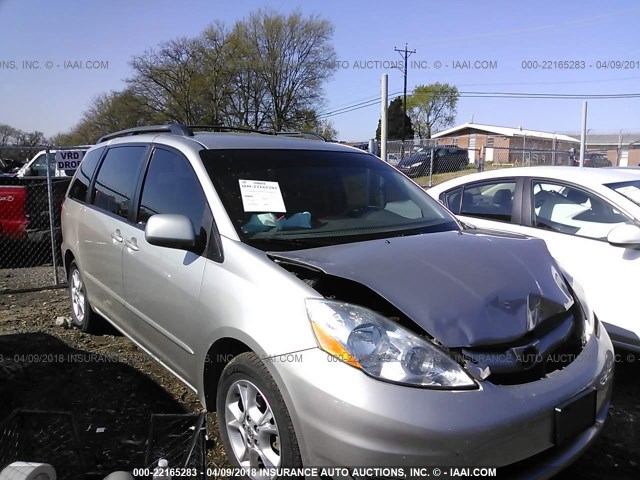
(443, 177)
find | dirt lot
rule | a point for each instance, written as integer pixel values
(117, 387)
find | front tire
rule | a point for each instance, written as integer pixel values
(83, 317)
(253, 420)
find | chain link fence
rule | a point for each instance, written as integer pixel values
(32, 188)
(55, 438)
(430, 162)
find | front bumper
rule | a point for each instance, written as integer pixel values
(344, 418)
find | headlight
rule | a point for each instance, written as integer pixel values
(381, 348)
(589, 316)
(587, 312)
(416, 164)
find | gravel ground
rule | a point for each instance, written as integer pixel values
(120, 396)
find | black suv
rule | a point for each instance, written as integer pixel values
(446, 159)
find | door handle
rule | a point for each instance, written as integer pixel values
(117, 236)
(131, 244)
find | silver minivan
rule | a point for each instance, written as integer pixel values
(328, 309)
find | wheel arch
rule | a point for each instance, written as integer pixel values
(220, 353)
(67, 259)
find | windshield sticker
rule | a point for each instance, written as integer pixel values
(259, 196)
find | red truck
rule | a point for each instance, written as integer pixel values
(24, 207)
(24, 196)
(13, 212)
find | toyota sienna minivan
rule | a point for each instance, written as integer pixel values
(328, 309)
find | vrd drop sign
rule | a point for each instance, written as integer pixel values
(69, 159)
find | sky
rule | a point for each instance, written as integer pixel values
(507, 35)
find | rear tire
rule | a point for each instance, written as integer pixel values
(253, 420)
(84, 318)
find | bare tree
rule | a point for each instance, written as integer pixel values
(170, 79)
(266, 72)
(8, 135)
(294, 57)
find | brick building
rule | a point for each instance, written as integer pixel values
(507, 144)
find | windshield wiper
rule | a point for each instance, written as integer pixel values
(286, 242)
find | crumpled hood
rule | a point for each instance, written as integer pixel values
(466, 289)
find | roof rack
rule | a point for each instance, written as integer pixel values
(187, 130)
(174, 128)
(221, 128)
(308, 135)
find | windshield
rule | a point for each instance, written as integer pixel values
(630, 190)
(303, 198)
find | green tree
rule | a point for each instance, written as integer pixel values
(432, 108)
(327, 129)
(394, 122)
(172, 80)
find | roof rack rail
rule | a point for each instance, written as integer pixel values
(308, 135)
(222, 128)
(174, 128)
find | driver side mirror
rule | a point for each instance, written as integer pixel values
(171, 231)
(627, 236)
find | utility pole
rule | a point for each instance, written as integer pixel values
(583, 133)
(384, 102)
(406, 53)
(619, 156)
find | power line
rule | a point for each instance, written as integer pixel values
(550, 95)
(559, 82)
(377, 102)
(514, 95)
(374, 99)
(367, 103)
(349, 103)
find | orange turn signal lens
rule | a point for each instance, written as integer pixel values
(333, 347)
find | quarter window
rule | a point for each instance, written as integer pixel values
(569, 209)
(452, 200)
(116, 180)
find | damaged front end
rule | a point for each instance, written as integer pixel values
(367, 329)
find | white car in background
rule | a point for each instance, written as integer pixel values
(589, 218)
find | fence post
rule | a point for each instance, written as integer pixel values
(51, 223)
(431, 167)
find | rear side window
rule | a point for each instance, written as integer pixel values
(490, 200)
(116, 180)
(171, 186)
(80, 184)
